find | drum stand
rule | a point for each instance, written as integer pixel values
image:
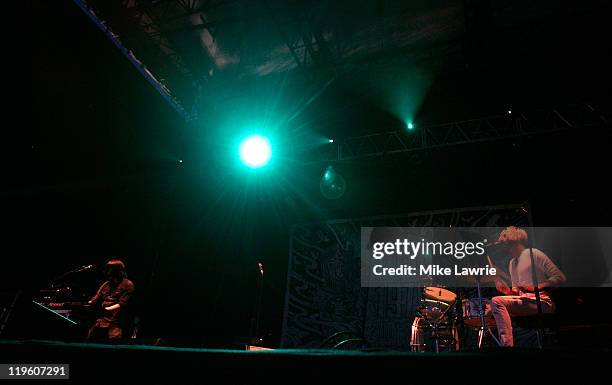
(483, 325)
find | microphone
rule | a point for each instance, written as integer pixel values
(260, 265)
(491, 244)
(84, 268)
(53, 282)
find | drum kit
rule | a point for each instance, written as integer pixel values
(434, 326)
(440, 315)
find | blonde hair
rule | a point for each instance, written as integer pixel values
(513, 234)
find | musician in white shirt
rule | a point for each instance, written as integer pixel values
(519, 299)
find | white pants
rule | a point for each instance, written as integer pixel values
(506, 306)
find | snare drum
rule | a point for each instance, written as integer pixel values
(439, 294)
(471, 315)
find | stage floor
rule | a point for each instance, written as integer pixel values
(108, 363)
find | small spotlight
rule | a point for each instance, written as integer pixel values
(331, 141)
(509, 112)
(180, 160)
(410, 126)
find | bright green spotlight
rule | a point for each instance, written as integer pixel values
(410, 126)
(255, 151)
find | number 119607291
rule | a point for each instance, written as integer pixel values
(8, 371)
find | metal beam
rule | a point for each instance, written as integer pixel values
(139, 65)
(481, 130)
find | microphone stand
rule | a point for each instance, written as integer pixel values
(7, 311)
(484, 328)
(536, 290)
(53, 282)
(256, 337)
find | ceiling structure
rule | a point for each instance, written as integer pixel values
(200, 54)
(186, 44)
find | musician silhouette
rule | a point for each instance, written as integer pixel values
(111, 300)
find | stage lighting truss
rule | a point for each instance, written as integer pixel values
(491, 128)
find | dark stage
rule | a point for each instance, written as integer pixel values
(184, 365)
(354, 184)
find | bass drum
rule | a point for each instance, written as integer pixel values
(422, 338)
